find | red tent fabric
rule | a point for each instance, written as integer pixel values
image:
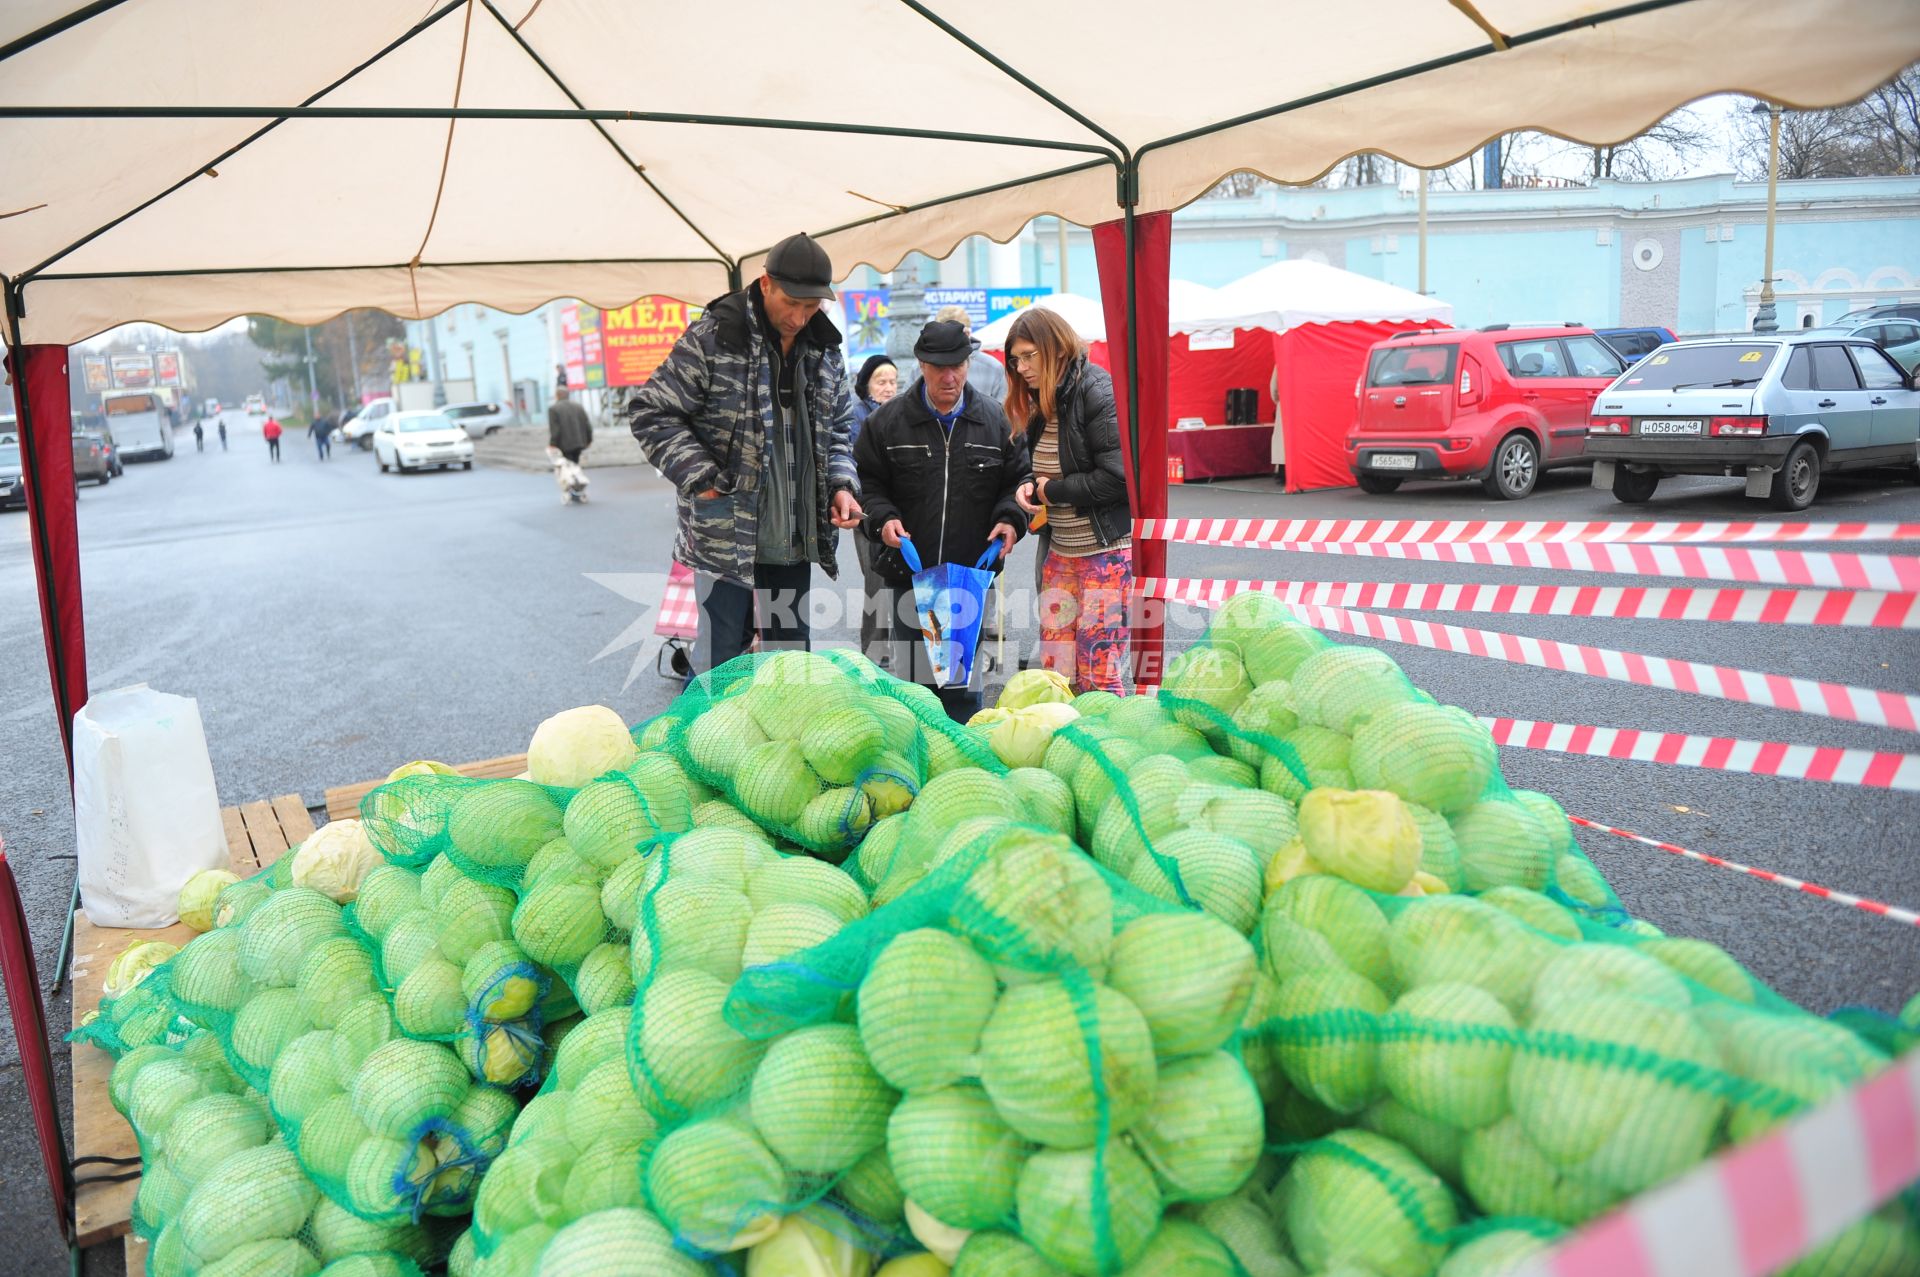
(29, 1015)
(39, 376)
(1146, 481)
(1319, 366)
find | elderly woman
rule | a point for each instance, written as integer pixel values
(878, 382)
(1065, 403)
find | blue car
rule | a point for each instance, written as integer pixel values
(1780, 409)
(1631, 343)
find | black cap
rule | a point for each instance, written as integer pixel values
(801, 268)
(944, 343)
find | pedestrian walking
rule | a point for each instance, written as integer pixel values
(271, 430)
(1064, 402)
(321, 430)
(762, 477)
(223, 433)
(877, 384)
(939, 464)
(568, 427)
(199, 437)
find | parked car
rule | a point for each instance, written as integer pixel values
(213, 407)
(13, 487)
(421, 438)
(92, 458)
(481, 419)
(1898, 337)
(359, 429)
(1631, 343)
(1781, 410)
(1889, 310)
(256, 405)
(1497, 405)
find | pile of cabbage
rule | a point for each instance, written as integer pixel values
(1270, 974)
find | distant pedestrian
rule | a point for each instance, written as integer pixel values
(199, 438)
(223, 434)
(322, 432)
(272, 432)
(568, 428)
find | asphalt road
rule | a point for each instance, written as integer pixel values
(333, 622)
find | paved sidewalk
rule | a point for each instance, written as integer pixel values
(525, 448)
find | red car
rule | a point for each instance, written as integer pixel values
(1496, 404)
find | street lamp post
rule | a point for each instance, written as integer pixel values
(313, 388)
(1764, 318)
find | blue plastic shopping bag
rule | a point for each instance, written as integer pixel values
(950, 601)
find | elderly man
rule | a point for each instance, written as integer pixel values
(938, 464)
(986, 376)
(568, 427)
(749, 419)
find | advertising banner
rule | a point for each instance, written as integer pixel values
(132, 372)
(865, 311)
(636, 339)
(166, 367)
(99, 381)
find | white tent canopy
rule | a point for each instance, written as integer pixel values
(1088, 318)
(185, 161)
(1288, 294)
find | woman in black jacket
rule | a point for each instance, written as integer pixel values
(1080, 486)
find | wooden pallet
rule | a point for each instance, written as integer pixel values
(257, 835)
(344, 801)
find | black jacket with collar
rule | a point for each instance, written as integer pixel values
(948, 489)
(1093, 472)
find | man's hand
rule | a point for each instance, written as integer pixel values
(846, 511)
(1023, 497)
(1004, 534)
(892, 531)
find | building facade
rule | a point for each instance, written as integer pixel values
(1686, 255)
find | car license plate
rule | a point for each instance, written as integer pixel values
(1391, 461)
(1670, 426)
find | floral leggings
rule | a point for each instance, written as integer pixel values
(1083, 618)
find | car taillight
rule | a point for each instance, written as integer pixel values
(1736, 427)
(1469, 393)
(1609, 425)
(1457, 444)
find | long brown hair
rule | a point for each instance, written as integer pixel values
(1056, 343)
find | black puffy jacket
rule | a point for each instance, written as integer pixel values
(947, 489)
(1093, 471)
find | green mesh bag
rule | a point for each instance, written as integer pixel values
(1018, 1045)
(816, 748)
(222, 1194)
(1457, 1072)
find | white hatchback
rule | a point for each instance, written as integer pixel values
(415, 440)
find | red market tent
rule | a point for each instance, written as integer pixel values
(1310, 322)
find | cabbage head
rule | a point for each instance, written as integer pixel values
(135, 963)
(198, 895)
(334, 860)
(1035, 687)
(1022, 739)
(576, 745)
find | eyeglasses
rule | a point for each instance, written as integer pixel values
(1029, 360)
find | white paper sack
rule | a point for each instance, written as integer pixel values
(146, 814)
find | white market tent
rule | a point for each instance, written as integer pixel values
(1288, 294)
(1089, 318)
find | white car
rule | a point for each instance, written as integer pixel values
(256, 405)
(367, 423)
(481, 419)
(414, 440)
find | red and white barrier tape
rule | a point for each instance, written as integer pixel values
(1756, 1208)
(1868, 608)
(1751, 567)
(1485, 531)
(1806, 696)
(1872, 769)
(1766, 875)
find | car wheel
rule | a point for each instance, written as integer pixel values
(1634, 486)
(1378, 484)
(383, 465)
(1516, 468)
(1797, 482)
(466, 465)
(106, 477)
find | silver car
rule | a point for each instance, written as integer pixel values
(481, 419)
(1780, 409)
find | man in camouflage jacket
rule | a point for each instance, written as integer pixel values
(750, 419)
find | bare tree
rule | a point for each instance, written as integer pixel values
(1237, 186)
(1666, 150)
(1877, 136)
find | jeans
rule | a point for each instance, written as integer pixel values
(273, 449)
(323, 445)
(727, 613)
